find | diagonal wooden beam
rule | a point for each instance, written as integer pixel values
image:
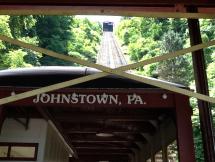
(107, 71)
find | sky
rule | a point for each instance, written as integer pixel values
(95, 18)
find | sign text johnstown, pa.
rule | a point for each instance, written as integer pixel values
(96, 99)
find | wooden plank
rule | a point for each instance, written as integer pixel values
(118, 129)
(155, 12)
(106, 70)
(96, 151)
(104, 157)
(107, 2)
(94, 147)
(89, 117)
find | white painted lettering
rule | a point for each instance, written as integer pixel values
(102, 99)
(45, 98)
(55, 98)
(65, 98)
(130, 99)
(37, 99)
(74, 98)
(113, 99)
(134, 99)
(91, 99)
(82, 97)
(138, 100)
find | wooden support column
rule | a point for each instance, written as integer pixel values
(2, 117)
(184, 129)
(152, 153)
(202, 87)
(163, 144)
(152, 158)
(72, 159)
(136, 155)
(131, 158)
(164, 154)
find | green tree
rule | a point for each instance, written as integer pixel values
(176, 70)
(15, 59)
(129, 31)
(54, 33)
(4, 30)
(208, 33)
(23, 28)
(86, 39)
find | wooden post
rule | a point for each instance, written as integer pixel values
(184, 129)
(2, 117)
(137, 155)
(164, 146)
(152, 154)
(152, 158)
(202, 87)
(164, 154)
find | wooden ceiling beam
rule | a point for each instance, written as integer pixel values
(99, 141)
(89, 117)
(92, 151)
(112, 158)
(105, 2)
(153, 10)
(132, 138)
(122, 144)
(114, 133)
(111, 143)
(86, 128)
(102, 148)
(115, 136)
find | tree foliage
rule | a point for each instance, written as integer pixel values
(15, 59)
(63, 34)
(176, 70)
(54, 33)
(85, 41)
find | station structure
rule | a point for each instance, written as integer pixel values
(63, 114)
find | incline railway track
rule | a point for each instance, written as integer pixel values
(110, 54)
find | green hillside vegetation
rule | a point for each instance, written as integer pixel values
(143, 38)
(64, 34)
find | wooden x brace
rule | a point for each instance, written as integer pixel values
(106, 71)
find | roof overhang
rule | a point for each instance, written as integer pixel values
(207, 3)
(146, 8)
